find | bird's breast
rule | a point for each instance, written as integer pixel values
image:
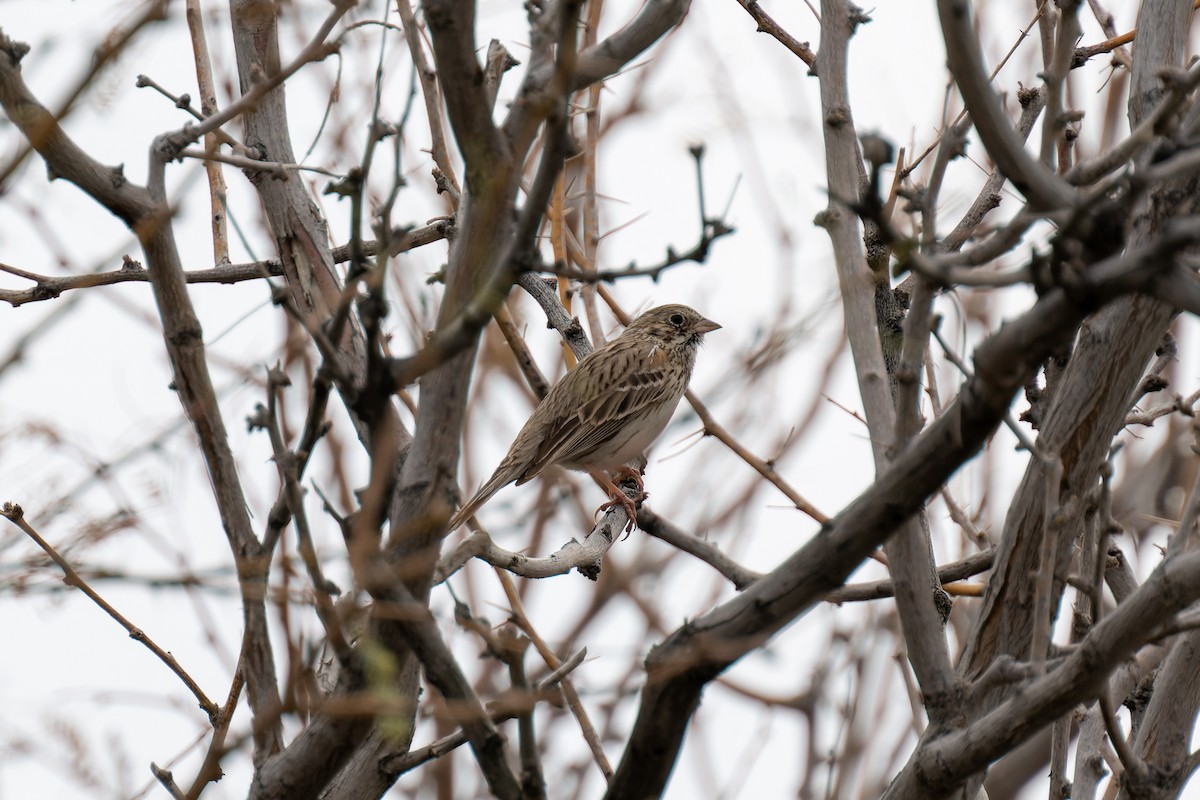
(633, 439)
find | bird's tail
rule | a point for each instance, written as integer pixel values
(494, 484)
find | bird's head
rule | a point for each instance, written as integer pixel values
(674, 324)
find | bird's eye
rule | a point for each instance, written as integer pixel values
(676, 319)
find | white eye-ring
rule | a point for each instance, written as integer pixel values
(676, 319)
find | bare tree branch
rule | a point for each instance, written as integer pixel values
(1042, 189)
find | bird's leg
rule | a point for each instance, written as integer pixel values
(629, 473)
(619, 498)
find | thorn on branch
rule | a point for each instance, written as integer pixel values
(277, 378)
(348, 186)
(1154, 383)
(858, 17)
(14, 50)
(445, 185)
(382, 129)
(1082, 54)
(260, 420)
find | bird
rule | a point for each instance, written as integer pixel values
(605, 412)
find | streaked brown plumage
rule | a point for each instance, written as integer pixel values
(604, 413)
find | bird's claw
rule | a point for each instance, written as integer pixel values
(628, 504)
(628, 473)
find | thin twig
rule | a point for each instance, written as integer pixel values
(288, 465)
(16, 515)
(316, 50)
(1135, 766)
(167, 780)
(554, 662)
(954, 358)
(217, 189)
(210, 770)
(433, 100)
(707, 552)
(1082, 54)
(49, 287)
(544, 690)
(773, 29)
(904, 173)
(948, 574)
(272, 167)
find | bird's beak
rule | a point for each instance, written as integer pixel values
(704, 326)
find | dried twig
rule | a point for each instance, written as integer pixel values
(16, 515)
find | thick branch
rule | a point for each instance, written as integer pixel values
(452, 27)
(944, 763)
(910, 555)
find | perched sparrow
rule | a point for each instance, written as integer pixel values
(607, 410)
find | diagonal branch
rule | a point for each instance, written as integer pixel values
(317, 49)
(940, 766)
(451, 25)
(111, 47)
(16, 515)
(601, 60)
(1042, 188)
(442, 670)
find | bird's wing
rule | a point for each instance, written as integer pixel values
(617, 394)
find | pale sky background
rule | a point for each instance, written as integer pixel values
(100, 378)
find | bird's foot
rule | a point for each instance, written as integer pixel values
(628, 473)
(629, 504)
(618, 496)
(623, 500)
